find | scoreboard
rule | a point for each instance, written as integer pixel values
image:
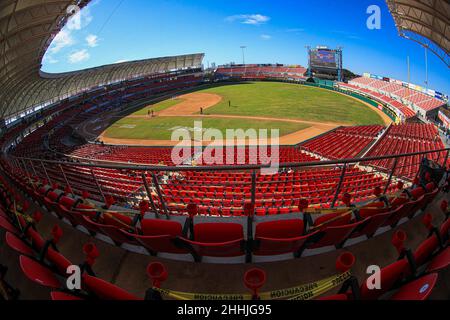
(323, 58)
(325, 61)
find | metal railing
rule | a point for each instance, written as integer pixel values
(224, 190)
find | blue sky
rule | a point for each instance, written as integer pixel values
(112, 31)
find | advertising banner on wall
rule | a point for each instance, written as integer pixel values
(430, 92)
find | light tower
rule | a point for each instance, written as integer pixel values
(340, 64)
(243, 54)
(309, 72)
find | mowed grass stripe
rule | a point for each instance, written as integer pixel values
(285, 100)
(160, 128)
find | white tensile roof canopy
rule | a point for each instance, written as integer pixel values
(426, 22)
(27, 28)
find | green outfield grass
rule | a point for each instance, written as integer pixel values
(161, 128)
(158, 107)
(284, 100)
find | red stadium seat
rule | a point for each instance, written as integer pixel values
(417, 192)
(104, 290)
(18, 245)
(324, 220)
(51, 201)
(59, 262)
(419, 289)
(280, 229)
(118, 220)
(335, 236)
(372, 224)
(159, 236)
(390, 275)
(67, 202)
(111, 231)
(6, 225)
(66, 213)
(38, 273)
(372, 210)
(158, 244)
(156, 227)
(401, 212)
(445, 231)
(426, 250)
(440, 262)
(82, 211)
(428, 198)
(280, 237)
(217, 240)
(35, 239)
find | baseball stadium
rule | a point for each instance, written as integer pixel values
(166, 179)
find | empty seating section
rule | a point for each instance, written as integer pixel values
(216, 193)
(218, 240)
(415, 131)
(406, 111)
(408, 138)
(124, 154)
(261, 72)
(225, 194)
(232, 155)
(344, 143)
(421, 100)
(61, 120)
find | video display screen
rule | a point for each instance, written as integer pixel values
(323, 58)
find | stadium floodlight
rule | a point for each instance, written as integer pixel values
(243, 54)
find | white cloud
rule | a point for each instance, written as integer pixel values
(79, 19)
(266, 37)
(48, 58)
(121, 61)
(66, 37)
(92, 40)
(252, 19)
(62, 40)
(51, 60)
(79, 56)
